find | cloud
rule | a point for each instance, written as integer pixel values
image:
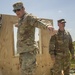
(59, 11)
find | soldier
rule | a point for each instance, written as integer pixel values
(25, 41)
(60, 47)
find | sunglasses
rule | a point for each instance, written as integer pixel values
(16, 10)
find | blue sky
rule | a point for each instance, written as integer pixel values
(51, 9)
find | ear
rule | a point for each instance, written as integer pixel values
(23, 8)
(64, 25)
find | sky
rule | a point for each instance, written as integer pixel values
(50, 9)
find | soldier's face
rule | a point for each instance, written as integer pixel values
(20, 12)
(61, 25)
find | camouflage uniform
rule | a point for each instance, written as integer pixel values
(60, 46)
(26, 44)
(25, 38)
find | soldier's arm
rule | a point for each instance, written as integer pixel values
(34, 21)
(52, 48)
(71, 48)
(52, 45)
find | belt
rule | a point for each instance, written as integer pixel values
(31, 52)
(59, 51)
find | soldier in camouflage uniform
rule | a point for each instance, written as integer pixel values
(25, 41)
(60, 47)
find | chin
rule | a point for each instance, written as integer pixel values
(19, 16)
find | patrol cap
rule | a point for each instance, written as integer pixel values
(62, 21)
(17, 5)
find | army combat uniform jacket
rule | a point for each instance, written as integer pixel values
(26, 32)
(61, 42)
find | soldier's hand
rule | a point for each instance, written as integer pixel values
(53, 58)
(73, 57)
(50, 28)
(16, 25)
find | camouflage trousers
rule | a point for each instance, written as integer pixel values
(28, 63)
(62, 63)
